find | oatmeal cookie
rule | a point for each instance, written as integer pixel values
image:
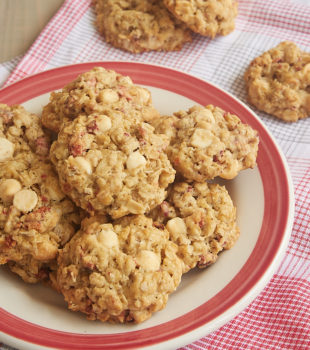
(207, 17)
(94, 92)
(121, 272)
(140, 25)
(21, 131)
(35, 217)
(201, 220)
(32, 270)
(278, 82)
(210, 142)
(108, 165)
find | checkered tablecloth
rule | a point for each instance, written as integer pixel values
(279, 318)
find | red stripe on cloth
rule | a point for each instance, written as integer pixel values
(277, 319)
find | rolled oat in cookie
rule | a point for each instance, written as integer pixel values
(94, 92)
(201, 220)
(140, 25)
(109, 165)
(206, 17)
(278, 82)
(209, 142)
(121, 272)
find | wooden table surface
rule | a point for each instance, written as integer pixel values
(21, 21)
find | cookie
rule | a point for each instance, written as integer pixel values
(94, 92)
(109, 165)
(201, 220)
(140, 25)
(209, 142)
(21, 131)
(121, 272)
(35, 216)
(278, 82)
(208, 18)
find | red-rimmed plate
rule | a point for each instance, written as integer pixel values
(32, 316)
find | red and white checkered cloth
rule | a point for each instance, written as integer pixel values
(279, 318)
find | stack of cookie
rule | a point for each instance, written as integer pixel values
(144, 212)
(162, 25)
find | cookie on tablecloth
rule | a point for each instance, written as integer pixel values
(208, 18)
(94, 92)
(208, 142)
(201, 220)
(121, 272)
(278, 82)
(109, 165)
(35, 217)
(140, 25)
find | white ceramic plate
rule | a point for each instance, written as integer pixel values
(35, 317)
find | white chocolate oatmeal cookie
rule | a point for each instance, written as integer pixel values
(278, 82)
(119, 273)
(209, 142)
(21, 131)
(94, 92)
(36, 219)
(206, 17)
(108, 165)
(140, 25)
(201, 220)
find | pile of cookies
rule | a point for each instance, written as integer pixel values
(109, 202)
(162, 25)
(277, 82)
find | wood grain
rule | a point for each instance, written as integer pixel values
(21, 21)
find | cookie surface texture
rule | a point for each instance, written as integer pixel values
(209, 142)
(278, 82)
(35, 217)
(94, 92)
(206, 17)
(201, 220)
(109, 165)
(140, 25)
(120, 273)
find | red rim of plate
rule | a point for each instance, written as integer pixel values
(272, 233)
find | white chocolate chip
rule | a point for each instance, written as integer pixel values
(176, 226)
(6, 149)
(135, 160)
(206, 115)
(103, 123)
(25, 200)
(126, 81)
(148, 260)
(81, 164)
(201, 138)
(108, 238)
(144, 95)
(109, 96)
(8, 188)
